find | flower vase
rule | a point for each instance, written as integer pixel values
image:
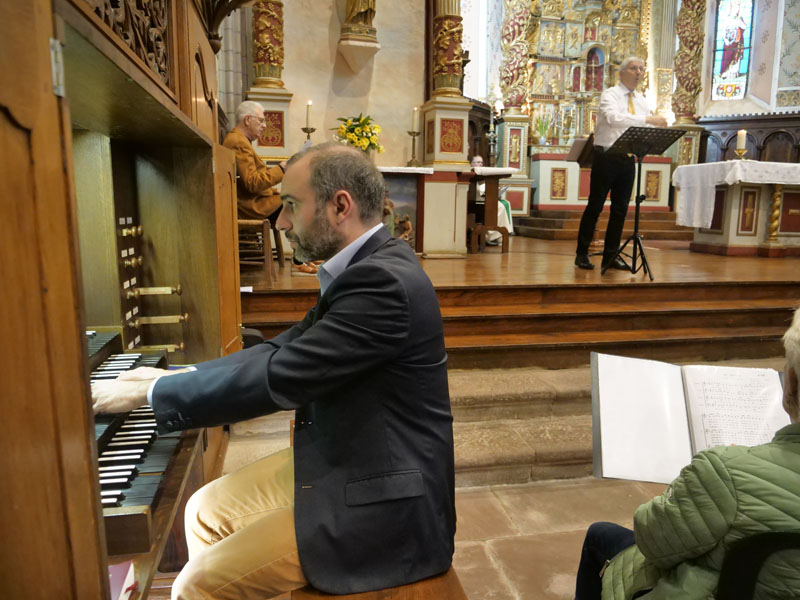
(542, 140)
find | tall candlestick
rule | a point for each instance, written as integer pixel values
(741, 139)
(414, 119)
(308, 115)
(491, 120)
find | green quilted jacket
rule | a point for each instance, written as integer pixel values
(726, 493)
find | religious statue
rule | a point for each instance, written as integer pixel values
(360, 12)
(358, 20)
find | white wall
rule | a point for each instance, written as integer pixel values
(387, 87)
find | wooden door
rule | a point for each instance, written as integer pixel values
(48, 508)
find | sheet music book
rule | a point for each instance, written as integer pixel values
(122, 580)
(649, 417)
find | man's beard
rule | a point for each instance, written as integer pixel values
(320, 242)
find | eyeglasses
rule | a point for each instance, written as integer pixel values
(259, 119)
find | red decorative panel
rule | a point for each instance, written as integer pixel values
(719, 211)
(451, 135)
(558, 184)
(584, 184)
(273, 134)
(748, 211)
(516, 199)
(652, 185)
(430, 135)
(790, 212)
(515, 147)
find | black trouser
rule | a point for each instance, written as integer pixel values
(614, 172)
(603, 542)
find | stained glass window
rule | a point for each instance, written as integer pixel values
(732, 49)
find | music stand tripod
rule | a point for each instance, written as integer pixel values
(639, 141)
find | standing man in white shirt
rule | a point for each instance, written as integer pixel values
(620, 107)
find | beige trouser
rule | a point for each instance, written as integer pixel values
(240, 533)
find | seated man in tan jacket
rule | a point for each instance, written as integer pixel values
(257, 198)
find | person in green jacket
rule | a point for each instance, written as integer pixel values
(679, 539)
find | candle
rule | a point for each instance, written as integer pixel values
(414, 119)
(308, 115)
(741, 139)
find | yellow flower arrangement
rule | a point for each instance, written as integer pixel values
(360, 132)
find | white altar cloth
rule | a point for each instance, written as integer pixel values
(697, 183)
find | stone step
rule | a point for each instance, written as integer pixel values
(510, 425)
(522, 450)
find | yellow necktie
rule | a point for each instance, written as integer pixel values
(631, 108)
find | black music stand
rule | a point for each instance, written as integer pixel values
(639, 141)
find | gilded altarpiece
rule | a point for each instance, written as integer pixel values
(575, 49)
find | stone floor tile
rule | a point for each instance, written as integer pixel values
(570, 505)
(481, 516)
(540, 567)
(652, 489)
(480, 576)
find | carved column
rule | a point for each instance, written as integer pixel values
(687, 61)
(512, 133)
(515, 54)
(691, 32)
(447, 51)
(268, 43)
(268, 88)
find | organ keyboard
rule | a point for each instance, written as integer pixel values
(142, 474)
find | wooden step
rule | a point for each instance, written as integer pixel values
(645, 222)
(260, 307)
(575, 215)
(555, 351)
(572, 234)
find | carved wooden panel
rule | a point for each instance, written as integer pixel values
(773, 137)
(558, 184)
(748, 211)
(652, 186)
(451, 137)
(143, 26)
(778, 147)
(273, 135)
(790, 212)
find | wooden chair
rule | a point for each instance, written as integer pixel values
(442, 587)
(487, 221)
(743, 562)
(255, 246)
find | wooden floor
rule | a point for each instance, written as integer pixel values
(545, 262)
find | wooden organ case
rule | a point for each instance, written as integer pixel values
(119, 215)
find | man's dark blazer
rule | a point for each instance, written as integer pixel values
(365, 371)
